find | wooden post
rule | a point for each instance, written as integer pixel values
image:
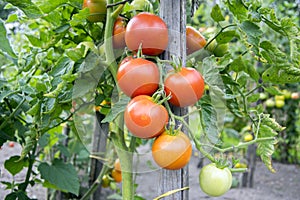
(173, 12)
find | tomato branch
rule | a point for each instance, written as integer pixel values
(117, 3)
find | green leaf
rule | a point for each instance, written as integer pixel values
(209, 120)
(5, 45)
(252, 72)
(281, 74)
(238, 9)
(271, 122)
(49, 5)
(20, 195)
(14, 165)
(265, 150)
(253, 98)
(252, 31)
(62, 175)
(238, 64)
(37, 42)
(216, 14)
(225, 37)
(272, 90)
(116, 109)
(29, 8)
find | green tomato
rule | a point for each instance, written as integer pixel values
(270, 103)
(279, 103)
(215, 181)
(263, 96)
(287, 94)
(218, 50)
(142, 5)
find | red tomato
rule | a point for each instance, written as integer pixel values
(117, 175)
(150, 31)
(172, 151)
(137, 77)
(97, 10)
(194, 40)
(144, 118)
(186, 86)
(11, 144)
(119, 33)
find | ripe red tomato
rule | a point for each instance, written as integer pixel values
(172, 151)
(11, 144)
(194, 40)
(150, 31)
(215, 181)
(138, 77)
(186, 86)
(144, 118)
(119, 33)
(97, 10)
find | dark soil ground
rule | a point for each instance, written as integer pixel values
(283, 185)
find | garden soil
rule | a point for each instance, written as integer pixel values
(283, 185)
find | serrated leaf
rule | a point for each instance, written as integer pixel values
(62, 175)
(225, 37)
(253, 98)
(265, 151)
(49, 5)
(14, 165)
(5, 45)
(238, 9)
(238, 64)
(272, 90)
(216, 14)
(281, 74)
(252, 31)
(209, 120)
(266, 131)
(29, 8)
(271, 122)
(116, 109)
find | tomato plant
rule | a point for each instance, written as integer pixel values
(149, 31)
(172, 150)
(215, 181)
(194, 40)
(138, 77)
(119, 33)
(186, 86)
(97, 9)
(144, 118)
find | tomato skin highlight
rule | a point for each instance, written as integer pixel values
(119, 33)
(215, 181)
(144, 118)
(186, 86)
(150, 31)
(194, 40)
(172, 151)
(97, 10)
(138, 77)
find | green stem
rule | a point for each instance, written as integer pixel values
(96, 183)
(222, 29)
(30, 166)
(234, 170)
(7, 119)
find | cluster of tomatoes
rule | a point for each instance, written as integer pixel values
(142, 80)
(139, 78)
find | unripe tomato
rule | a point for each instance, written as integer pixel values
(248, 137)
(150, 31)
(172, 151)
(194, 40)
(287, 94)
(186, 86)
(138, 77)
(105, 181)
(263, 96)
(144, 118)
(279, 97)
(97, 10)
(221, 50)
(117, 165)
(142, 5)
(119, 33)
(117, 176)
(270, 103)
(279, 103)
(215, 181)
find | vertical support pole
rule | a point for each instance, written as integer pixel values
(173, 12)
